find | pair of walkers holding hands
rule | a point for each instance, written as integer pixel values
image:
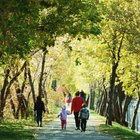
(81, 113)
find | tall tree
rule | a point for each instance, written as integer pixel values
(118, 25)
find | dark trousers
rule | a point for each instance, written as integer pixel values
(39, 118)
(77, 120)
(83, 124)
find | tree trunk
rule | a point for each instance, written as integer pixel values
(111, 92)
(91, 97)
(13, 107)
(114, 105)
(41, 74)
(26, 103)
(22, 105)
(31, 84)
(46, 101)
(23, 99)
(136, 110)
(137, 105)
(117, 112)
(135, 114)
(6, 91)
(103, 104)
(116, 49)
(126, 104)
(119, 97)
(17, 112)
(99, 102)
(2, 99)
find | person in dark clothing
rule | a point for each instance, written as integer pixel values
(39, 108)
(83, 95)
(84, 116)
(75, 107)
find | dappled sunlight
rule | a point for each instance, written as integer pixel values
(52, 131)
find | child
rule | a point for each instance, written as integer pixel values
(63, 117)
(84, 116)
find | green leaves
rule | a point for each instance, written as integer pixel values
(71, 17)
(18, 20)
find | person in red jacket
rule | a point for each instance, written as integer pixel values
(75, 108)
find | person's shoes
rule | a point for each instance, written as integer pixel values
(40, 125)
(64, 127)
(84, 130)
(77, 129)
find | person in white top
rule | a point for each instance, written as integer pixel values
(63, 117)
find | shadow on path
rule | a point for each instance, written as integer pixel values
(52, 131)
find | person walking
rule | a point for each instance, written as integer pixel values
(84, 116)
(63, 117)
(39, 108)
(75, 108)
(68, 100)
(83, 95)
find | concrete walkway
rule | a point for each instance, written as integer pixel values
(52, 131)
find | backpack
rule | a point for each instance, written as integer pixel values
(84, 113)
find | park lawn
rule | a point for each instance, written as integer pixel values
(21, 130)
(117, 130)
(13, 131)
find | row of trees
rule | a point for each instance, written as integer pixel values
(75, 42)
(115, 59)
(121, 41)
(28, 28)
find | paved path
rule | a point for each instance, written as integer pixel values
(52, 131)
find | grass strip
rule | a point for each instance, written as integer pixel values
(116, 130)
(22, 129)
(13, 131)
